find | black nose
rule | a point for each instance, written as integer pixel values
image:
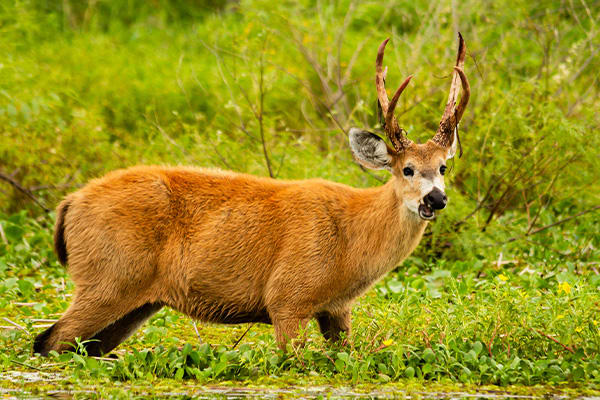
(436, 199)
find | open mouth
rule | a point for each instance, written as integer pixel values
(426, 212)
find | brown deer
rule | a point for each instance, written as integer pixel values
(233, 248)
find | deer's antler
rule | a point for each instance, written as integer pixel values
(395, 134)
(452, 114)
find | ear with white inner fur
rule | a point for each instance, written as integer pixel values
(453, 146)
(370, 150)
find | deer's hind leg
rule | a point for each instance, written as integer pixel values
(92, 312)
(114, 334)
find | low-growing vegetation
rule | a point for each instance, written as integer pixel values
(503, 290)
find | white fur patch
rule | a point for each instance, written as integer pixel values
(426, 186)
(452, 150)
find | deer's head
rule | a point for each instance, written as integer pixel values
(418, 168)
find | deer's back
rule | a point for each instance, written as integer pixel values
(207, 235)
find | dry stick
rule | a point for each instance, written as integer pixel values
(372, 344)
(543, 228)
(279, 68)
(524, 180)
(340, 37)
(324, 84)
(260, 114)
(565, 220)
(489, 346)
(26, 365)
(564, 346)
(382, 346)
(232, 98)
(16, 325)
(497, 182)
(241, 337)
(23, 190)
(426, 337)
(329, 358)
(2, 235)
(521, 176)
(579, 71)
(526, 202)
(559, 170)
(105, 359)
(583, 97)
(196, 329)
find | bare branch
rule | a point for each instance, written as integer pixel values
(241, 337)
(543, 228)
(23, 190)
(261, 110)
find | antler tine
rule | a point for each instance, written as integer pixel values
(380, 78)
(452, 113)
(393, 131)
(389, 116)
(464, 100)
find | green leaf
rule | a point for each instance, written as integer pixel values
(578, 374)
(428, 355)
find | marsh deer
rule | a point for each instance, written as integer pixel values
(232, 248)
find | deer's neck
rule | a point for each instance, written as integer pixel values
(382, 231)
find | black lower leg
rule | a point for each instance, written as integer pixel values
(115, 333)
(39, 344)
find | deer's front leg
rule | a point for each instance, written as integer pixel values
(287, 329)
(332, 324)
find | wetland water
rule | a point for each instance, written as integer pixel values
(25, 386)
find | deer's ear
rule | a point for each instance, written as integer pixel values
(370, 150)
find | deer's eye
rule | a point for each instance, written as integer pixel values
(408, 171)
(443, 169)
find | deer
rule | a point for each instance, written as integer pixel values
(230, 248)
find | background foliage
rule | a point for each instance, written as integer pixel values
(271, 88)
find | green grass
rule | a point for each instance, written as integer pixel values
(503, 290)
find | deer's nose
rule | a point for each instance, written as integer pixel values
(436, 199)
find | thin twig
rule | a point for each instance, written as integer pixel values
(564, 346)
(26, 365)
(23, 190)
(261, 110)
(2, 235)
(491, 342)
(543, 228)
(579, 72)
(196, 329)
(565, 220)
(241, 337)
(16, 325)
(426, 337)
(105, 359)
(381, 347)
